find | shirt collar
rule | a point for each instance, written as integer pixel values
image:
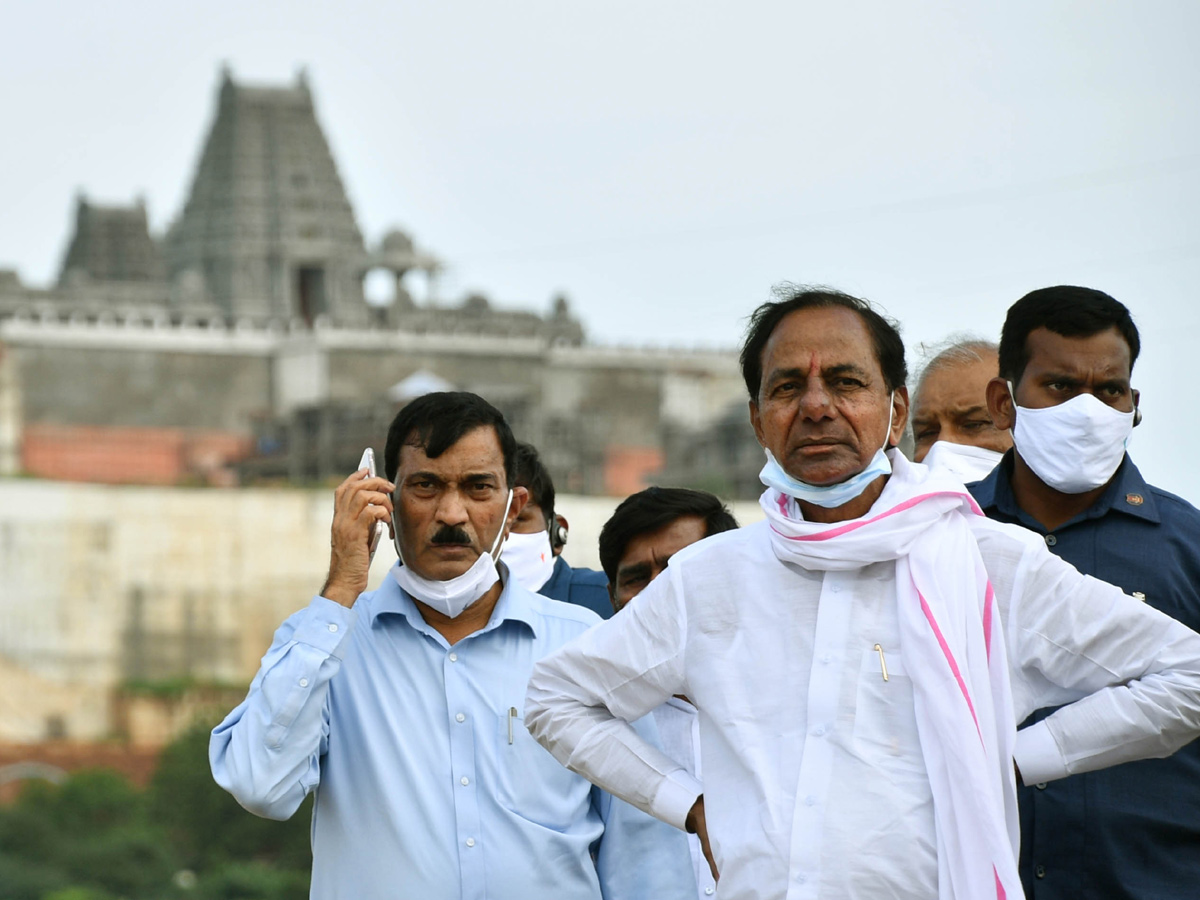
(515, 604)
(1127, 493)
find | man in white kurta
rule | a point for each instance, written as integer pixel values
(637, 544)
(820, 765)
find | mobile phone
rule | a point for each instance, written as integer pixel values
(368, 462)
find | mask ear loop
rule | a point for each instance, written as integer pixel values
(887, 438)
(500, 534)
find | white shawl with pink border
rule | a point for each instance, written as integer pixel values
(953, 647)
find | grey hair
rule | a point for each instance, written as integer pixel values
(956, 350)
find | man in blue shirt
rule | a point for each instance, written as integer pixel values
(402, 707)
(1066, 358)
(533, 551)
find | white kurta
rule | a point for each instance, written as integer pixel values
(814, 780)
(679, 732)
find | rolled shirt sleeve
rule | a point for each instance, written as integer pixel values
(582, 698)
(1129, 674)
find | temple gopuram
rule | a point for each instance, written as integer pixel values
(262, 338)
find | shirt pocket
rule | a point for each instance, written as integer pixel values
(531, 783)
(885, 721)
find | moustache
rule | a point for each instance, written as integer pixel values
(449, 534)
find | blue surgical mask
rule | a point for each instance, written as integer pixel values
(829, 495)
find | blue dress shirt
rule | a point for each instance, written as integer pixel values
(583, 587)
(1132, 831)
(428, 783)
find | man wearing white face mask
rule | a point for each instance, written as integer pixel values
(533, 550)
(952, 429)
(1066, 360)
(859, 659)
(401, 707)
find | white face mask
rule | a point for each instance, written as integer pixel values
(1074, 447)
(830, 496)
(454, 595)
(963, 461)
(529, 558)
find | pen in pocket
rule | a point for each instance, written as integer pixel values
(882, 662)
(512, 714)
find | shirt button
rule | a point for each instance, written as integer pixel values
(1051, 540)
(819, 730)
(800, 879)
(825, 659)
(708, 891)
(303, 682)
(1041, 785)
(333, 627)
(464, 781)
(1040, 871)
(453, 657)
(810, 800)
(460, 718)
(470, 842)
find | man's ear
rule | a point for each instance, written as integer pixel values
(1000, 404)
(1137, 412)
(899, 416)
(520, 498)
(756, 422)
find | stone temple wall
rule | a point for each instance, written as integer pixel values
(583, 406)
(143, 388)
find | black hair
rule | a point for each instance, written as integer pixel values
(435, 422)
(531, 473)
(884, 332)
(1068, 311)
(655, 508)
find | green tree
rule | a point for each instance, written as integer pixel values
(89, 834)
(97, 837)
(207, 826)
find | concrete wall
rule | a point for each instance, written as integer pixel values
(106, 583)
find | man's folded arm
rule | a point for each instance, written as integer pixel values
(266, 752)
(582, 698)
(1135, 669)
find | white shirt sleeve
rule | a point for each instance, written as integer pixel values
(582, 698)
(1130, 674)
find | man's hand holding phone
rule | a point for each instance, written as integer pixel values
(361, 505)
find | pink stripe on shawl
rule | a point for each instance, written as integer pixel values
(1000, 893)
(962, 685)
(859, 523)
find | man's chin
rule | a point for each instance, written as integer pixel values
(824, 472)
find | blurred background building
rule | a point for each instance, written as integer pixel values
(262, 343)
(262, 338)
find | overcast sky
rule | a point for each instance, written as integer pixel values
(665, 163)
